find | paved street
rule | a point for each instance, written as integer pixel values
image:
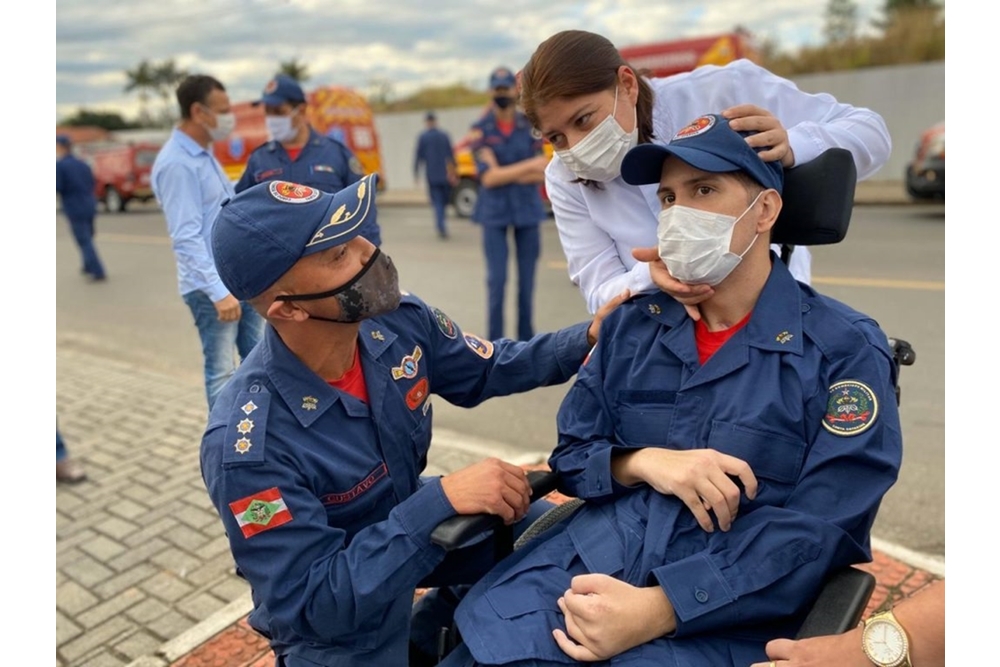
(141, 557)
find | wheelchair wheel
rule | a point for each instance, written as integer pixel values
(547, 520)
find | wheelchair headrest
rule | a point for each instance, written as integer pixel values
(817, 200)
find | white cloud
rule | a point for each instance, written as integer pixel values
(358, 42)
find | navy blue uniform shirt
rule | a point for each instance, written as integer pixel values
(320, 493)
(435, 152)
(515, 203)
(75, 185)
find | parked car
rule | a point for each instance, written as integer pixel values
(925, 173)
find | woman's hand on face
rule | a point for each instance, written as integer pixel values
(770, 132)
(688, 295)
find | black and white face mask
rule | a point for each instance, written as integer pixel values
(374, 290)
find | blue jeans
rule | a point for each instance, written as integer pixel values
(529, 247)
(221, 342)
(439, 194)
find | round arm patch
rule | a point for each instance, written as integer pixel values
(851, 408)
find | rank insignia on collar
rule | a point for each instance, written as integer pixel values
(409, 366)
(851, 408)
(654, 309)
(243, 445)
(784, 337)
(377, 335)
(245, 426)
(249, 407)
(309, 403)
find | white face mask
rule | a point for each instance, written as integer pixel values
(279, 128)
(225, 123)
(598, 157)
(694, 244)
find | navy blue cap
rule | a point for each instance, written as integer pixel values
(502, 77)
(709, 144)
(264, 230)
(63, 140)
(282, 88)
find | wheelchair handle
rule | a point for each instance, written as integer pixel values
(455, 531)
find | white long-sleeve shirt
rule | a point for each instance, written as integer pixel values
(599, 228)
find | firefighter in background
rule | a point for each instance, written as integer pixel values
(511, 166)
(75, 185)
(298, 153)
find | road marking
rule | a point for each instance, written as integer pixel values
(133, 238)
(926, 285)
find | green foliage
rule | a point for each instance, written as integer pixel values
(295, 69)
(160, 78)
(454, 95)
(105, 120)
(841, 21)
(911, 35)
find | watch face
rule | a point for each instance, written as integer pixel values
(884, 642)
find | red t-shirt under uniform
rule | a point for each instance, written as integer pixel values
(709, 342)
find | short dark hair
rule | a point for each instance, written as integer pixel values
(196, 88)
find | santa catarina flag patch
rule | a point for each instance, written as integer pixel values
(261, 511)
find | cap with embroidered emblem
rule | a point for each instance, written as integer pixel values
(502, 77)
(264, 230)
(707, 143)
(282, 88)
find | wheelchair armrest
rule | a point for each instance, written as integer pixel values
(455, 531)
(840, 604)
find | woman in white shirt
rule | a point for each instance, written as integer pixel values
(593, 107)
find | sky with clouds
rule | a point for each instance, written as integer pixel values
(358, 43)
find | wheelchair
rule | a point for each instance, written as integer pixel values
(818, 199)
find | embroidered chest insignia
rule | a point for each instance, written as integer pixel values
(851, 408)
(417, 394)
(409, 366)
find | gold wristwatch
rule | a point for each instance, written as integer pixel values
(885, 642)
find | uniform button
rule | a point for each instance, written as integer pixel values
(805, 308)
(255, 389)
(700, 595)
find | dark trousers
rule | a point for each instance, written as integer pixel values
(527, 241)
(83, 233)
(439, 194)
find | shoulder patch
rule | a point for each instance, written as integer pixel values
(356, 167)
(260, 511)
(483, 348)
(445, 324)
(246, 427)
(851, 408)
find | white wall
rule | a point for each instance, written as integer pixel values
(909, 97)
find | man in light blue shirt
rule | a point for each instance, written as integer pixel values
(190, 185)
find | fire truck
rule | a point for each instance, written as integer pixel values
(334, 111)
(121, 172)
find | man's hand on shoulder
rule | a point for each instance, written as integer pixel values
(595, 326)
(228, 308)
(490, 486)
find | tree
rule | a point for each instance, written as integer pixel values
(102, 119)
(294, 69)
(142, 79)
(167, 77)
(893, 10)
(841, 21)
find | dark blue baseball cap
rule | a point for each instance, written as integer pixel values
(264, 230)
(709, 144)
(502, 77)
(282, 88)
(63, 140)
